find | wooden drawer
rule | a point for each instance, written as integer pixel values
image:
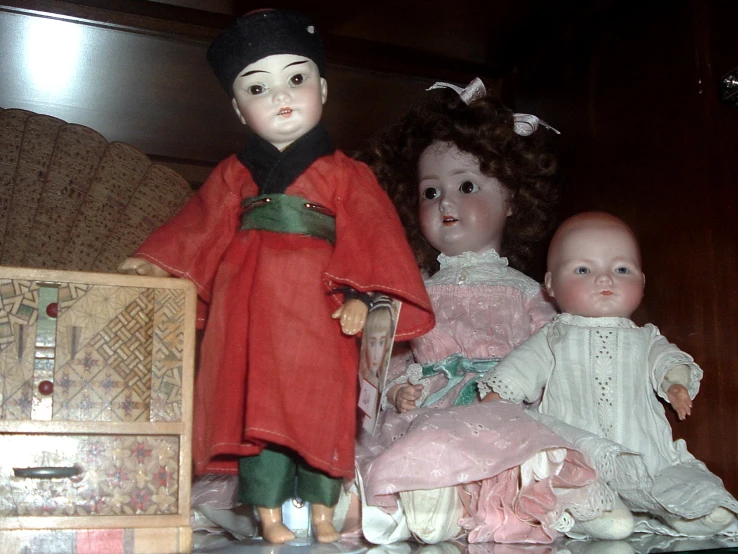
(96, 375)
(117, 475)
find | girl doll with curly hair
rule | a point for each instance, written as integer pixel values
(474, 188)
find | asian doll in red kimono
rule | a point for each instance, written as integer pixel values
(285, 241)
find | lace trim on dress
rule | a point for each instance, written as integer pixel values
(604, 361)
(484, 389)
(584, 321)
(472, 258)
(487, 268)
(492, 383)
(601, 499)
(601, 453)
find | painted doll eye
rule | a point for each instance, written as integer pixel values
(467, 187)
(431, 193)
(297, 80)
(255, 89)
(582, 270)
(622, 270)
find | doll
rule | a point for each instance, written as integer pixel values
(278, 234)
(601, 373)
(445, 159)
(470, 189)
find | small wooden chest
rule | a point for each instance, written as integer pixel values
(96, 377)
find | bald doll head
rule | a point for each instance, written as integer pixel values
(594, 267)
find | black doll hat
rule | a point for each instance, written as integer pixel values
(259, 34)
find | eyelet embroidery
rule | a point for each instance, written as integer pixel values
(604, 347)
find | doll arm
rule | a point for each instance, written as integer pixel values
(680, 401)
(352, 315)
(677, 375)
(669, 366)
(371, 253)
(404, 397)
(403, 377)
(674, 386)
(400, 360)
(488, 395)
(192, 243)
(139, 266)
(522, 374)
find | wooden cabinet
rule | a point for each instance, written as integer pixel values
(96, 376)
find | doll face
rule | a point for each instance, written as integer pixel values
(375, 350)
(280, 97)
(376, 343)
(595, 270)
(461, 209)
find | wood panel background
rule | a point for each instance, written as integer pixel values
(644, 136)
(140, 76)
(156, 91)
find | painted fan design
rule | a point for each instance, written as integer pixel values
(69, 199)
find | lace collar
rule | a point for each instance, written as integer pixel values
(485, 269)
(472, 258)
(582, 321)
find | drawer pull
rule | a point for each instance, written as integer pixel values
(47, 472)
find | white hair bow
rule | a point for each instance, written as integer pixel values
(473, 91)
(525, 124)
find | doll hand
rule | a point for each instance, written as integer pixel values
(680, 401)
(352, 315)
(405, 397)
(491, 397)
(139, 266)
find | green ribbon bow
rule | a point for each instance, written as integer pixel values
(455, 367)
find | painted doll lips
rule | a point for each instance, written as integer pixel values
(606, 293)
(448, 220)
(285, 112)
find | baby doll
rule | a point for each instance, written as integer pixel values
(272, 240)
(601, 373)
(470, 190)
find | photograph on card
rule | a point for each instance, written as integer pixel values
(376, 347)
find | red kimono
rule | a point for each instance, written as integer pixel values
(274, 366)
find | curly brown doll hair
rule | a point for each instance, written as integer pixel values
(484, 129)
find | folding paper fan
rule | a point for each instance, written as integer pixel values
(72, 200)
(12, 128)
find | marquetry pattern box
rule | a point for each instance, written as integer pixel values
(96, 376)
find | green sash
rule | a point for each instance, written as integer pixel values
(284, 213)
(455, 367)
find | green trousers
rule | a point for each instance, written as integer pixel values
(278, 474)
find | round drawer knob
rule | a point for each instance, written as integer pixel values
(46, 387)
